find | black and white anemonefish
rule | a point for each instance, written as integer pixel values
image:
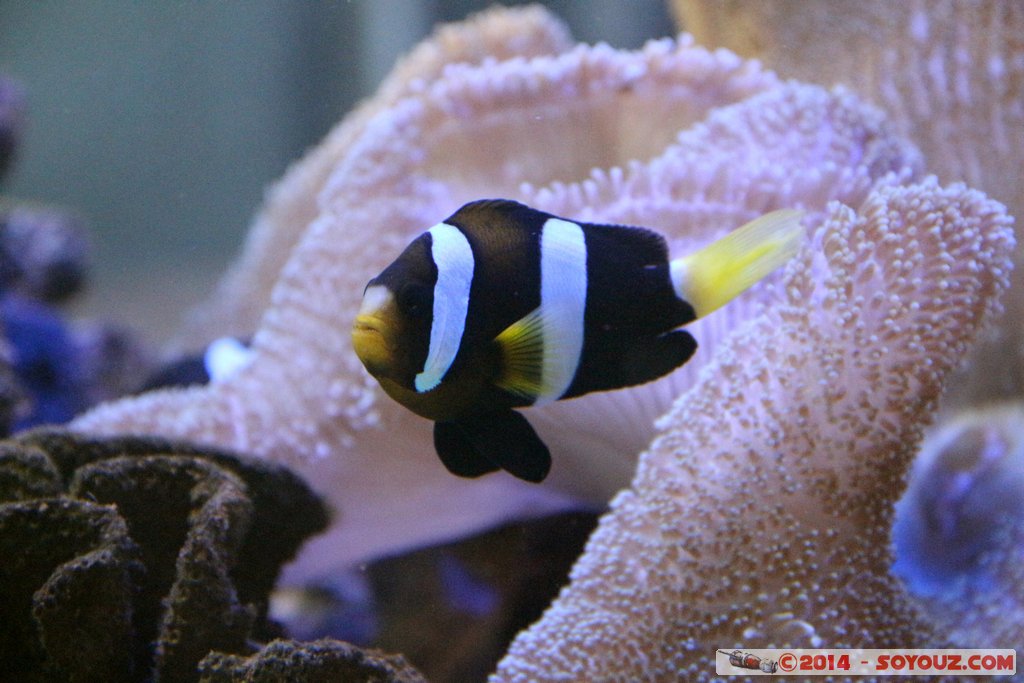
(502, 306)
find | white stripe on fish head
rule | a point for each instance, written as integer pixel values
(453, 258)
(563, 300)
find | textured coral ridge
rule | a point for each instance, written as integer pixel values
(673, 137)
(131, 559)
(804, 433)
(322, 661)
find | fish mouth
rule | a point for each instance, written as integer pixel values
(368, 324)
(370, 344)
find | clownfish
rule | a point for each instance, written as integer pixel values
(502, 306)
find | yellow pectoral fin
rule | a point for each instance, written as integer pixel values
(721, 271)
(521, 347)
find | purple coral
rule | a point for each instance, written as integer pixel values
(966, 485)
(958, 533)
(49, 370)
(44, 252)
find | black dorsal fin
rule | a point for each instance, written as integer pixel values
(493, 204)
(497, 212)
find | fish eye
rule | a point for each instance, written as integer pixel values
(413, 299)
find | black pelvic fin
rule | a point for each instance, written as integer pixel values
(457, 454)
(483, 443)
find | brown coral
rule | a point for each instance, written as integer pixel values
(803, 433)
(66, 590)
(136, 557)
(323, 661)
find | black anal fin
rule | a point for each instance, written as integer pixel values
(657, 357)
(483, 443)
(626, 363)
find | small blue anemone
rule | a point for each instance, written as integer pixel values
(44, 360)
(963, 496)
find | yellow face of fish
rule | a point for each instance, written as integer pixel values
(392, 327)
(411, 326)
(375, 335)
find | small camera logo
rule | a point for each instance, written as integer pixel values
(745, 660)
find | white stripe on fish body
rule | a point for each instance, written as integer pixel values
(680, 278)
(563, 301)
(453, 258)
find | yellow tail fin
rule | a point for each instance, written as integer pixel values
(721, 271)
